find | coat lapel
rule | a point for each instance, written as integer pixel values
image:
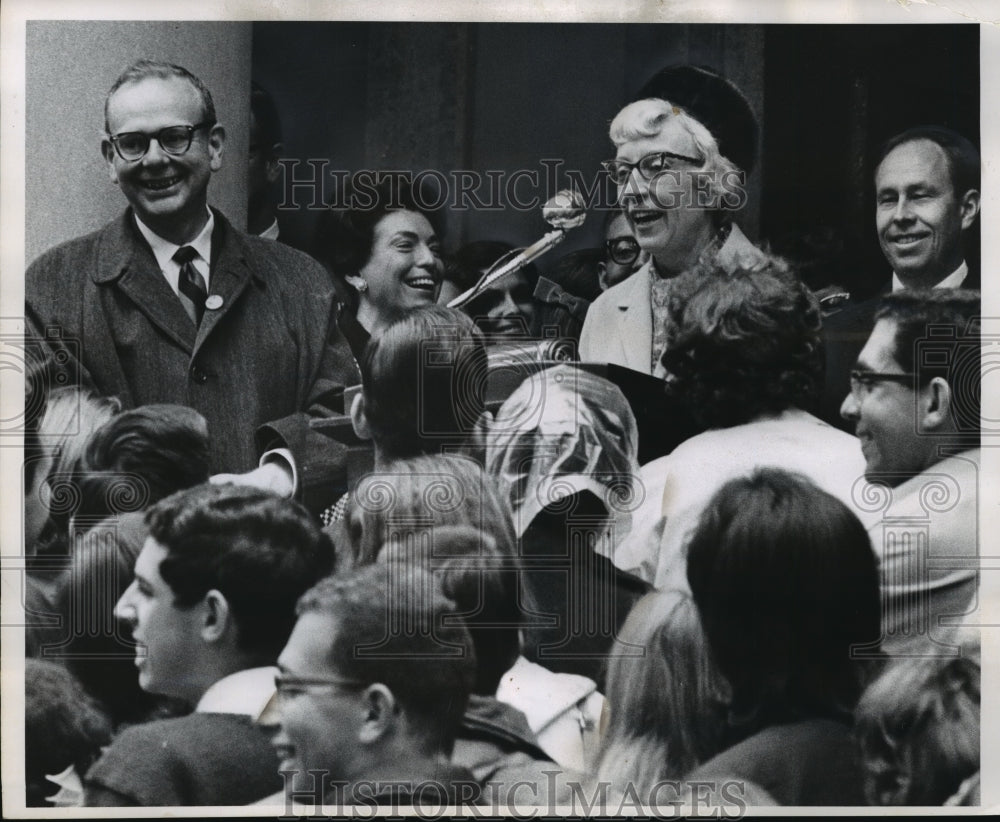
(635, 322)
(231, 276)
(128, 261)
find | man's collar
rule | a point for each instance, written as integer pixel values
(164, 250)
(953, 280)
(245, 692)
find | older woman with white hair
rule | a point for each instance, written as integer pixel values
(678, 193)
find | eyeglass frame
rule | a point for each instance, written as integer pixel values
(613, 166)
(114, 138)
(636, 248)
(861, 378)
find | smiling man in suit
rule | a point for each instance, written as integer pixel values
(170, 303)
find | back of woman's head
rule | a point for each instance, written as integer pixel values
(410, 498)
(918, 730)
(786, 583)
(69, 421)
(424, 380)
(745, 343)
(662, 690)
(63, 728)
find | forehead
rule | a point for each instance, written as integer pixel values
(147, 564)
(396, 222)
(154, 102)
(921, 162)
(879, 353)
(307, 651)
(673, 136)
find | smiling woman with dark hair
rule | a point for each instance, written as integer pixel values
(384, 253)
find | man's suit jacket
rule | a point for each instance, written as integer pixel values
(270, 353)
(619, 324)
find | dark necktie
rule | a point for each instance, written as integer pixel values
(190, 283)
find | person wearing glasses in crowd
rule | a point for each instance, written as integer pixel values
(171, 303)
(210, 608)
(681, 148)
(623, 256)
(914, 402)
(927, 202)
(368, 711)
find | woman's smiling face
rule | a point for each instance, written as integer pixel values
(405, 268)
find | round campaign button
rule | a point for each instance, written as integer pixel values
(213, 302)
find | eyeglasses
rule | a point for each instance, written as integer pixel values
(290, 685)
(623, 250)
(176, 140)
(649, 166)
(862, 381)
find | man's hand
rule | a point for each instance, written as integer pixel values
(272, 476)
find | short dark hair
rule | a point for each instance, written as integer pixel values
(424, 382)
(482, 581)
(744, 343)
(63, 726)
(928, 315)
(964, 164)
(139, 457)
(259, 551)
(345, 233)
(473, 257)
(144, 69)
(265, 114)
(786, 583)
(928, 708)
(429, 665)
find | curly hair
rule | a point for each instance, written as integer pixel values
(744, 344)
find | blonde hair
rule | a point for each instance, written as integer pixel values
(666, 702)
(646, 118)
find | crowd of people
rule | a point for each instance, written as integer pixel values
(292, 542)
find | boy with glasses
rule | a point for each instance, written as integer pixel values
(914, 402)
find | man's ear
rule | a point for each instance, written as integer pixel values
(602, 275)
(216, 142)
(935, 405)
(381, 713)
(970, 207)
(359, 422)
(216, 618)
(108, 151)
(272, 168)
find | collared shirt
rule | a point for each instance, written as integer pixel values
(953, 280)
(164, 251)
(246, 692)
(271, 232)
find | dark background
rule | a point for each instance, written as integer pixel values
(482, 96)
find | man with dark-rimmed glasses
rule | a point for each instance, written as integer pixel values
(171, 303)
(914, 401)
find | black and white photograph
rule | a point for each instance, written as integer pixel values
(548, 409)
